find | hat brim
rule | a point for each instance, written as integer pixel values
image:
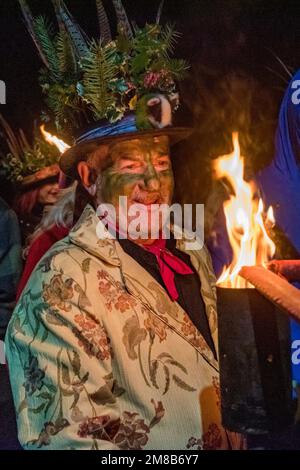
(41, 176)
(70, 158)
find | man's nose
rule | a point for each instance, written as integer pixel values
(151, 179)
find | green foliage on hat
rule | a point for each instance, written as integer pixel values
(86, 80)
(24, 159)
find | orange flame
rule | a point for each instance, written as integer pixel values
(52, 139)
(245, 222)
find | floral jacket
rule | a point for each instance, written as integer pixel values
(101, 358)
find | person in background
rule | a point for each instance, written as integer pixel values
(34, 198)
(54, 226)
(279, 184)
(10, 271)
(10, 263)
(35, 173)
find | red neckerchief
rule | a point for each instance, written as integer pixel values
(168, 264)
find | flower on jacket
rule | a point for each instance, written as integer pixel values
(114, 293)
(124, 302)
(211, 440)
(58, 292)
(92, 337)
(132, 433)
(191, 332)
(99, 427)
(85, 323)
(33, 377)
(187, 327)
(155, 326)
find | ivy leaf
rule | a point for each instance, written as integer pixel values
(123, 44)
(140, 62)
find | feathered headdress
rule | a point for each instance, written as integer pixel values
(87, 80)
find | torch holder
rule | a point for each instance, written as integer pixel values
(255, 363)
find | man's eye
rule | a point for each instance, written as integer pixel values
(131, 166)
(163, 164)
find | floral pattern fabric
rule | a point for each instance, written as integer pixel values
(101, 358)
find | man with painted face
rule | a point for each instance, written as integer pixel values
(113, 342)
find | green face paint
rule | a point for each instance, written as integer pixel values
(141, 170)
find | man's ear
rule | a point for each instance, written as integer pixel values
(86, 173)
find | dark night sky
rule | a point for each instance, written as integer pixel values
(221, 36)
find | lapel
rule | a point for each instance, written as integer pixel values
(139, 283)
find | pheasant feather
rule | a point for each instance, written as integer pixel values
(75, 32)
(105, 32)
(123, 19)
(159, 11)
(58, 16)
(30, 27)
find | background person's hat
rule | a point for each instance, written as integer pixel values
(28, 164)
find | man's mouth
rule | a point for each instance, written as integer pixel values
(148, 201)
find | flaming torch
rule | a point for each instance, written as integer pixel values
(253, 334)
(247, 234)
(52, 139)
